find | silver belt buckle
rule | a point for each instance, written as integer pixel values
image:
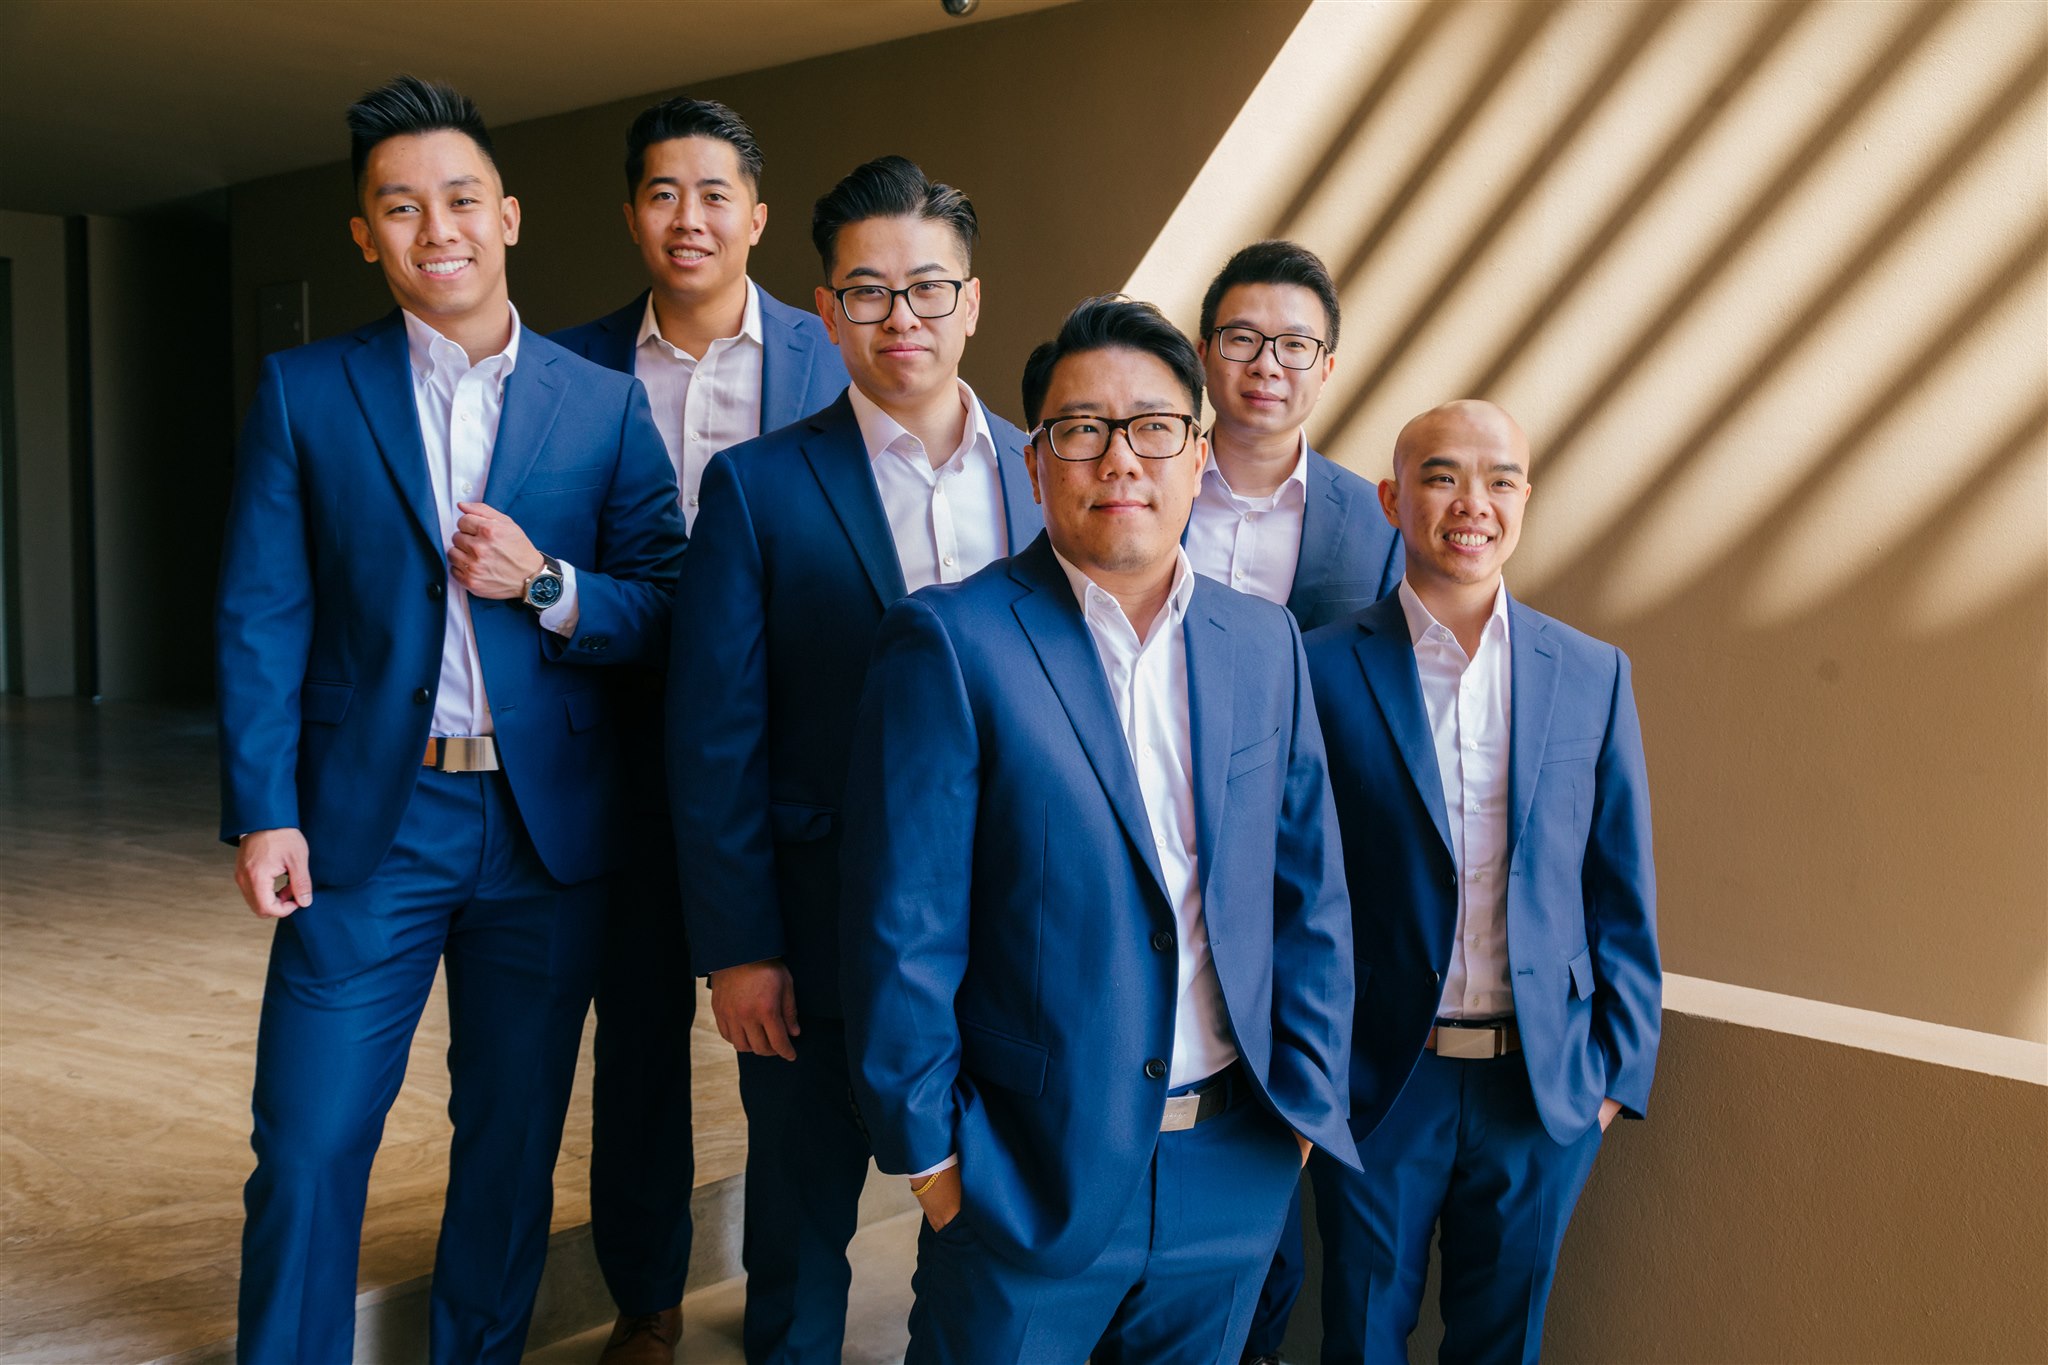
(1468, 1044)
(1181, 1113)
(468, 754)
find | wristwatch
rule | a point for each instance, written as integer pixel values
(544, 588)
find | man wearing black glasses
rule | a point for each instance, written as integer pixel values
(1274, 518)
(803, 538)
(1098, 967)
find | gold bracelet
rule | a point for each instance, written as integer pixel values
(917, 1191)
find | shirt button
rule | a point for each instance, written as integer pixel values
(467, 488)
(1161, 941)
(1154, 1068)
(1471, 743)
(1239, 575)
(949, 561)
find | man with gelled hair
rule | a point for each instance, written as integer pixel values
(1495, 815)
(1098, 969)
(444, 530)
(722, 361)
(803, 538)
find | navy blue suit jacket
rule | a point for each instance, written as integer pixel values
(1010, 962)
(1350, 556)
(332, 597)
(788, 575)
(1581, 899)
(800, 367)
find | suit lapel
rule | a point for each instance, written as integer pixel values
(1533, 684)
(839, 460)
(1022, 520)
(533, 395)
(784, 359)
(619, 330)
(1210, 710)
(1388, 658)
(380, 373)
(1324, 513)
(1051, 619)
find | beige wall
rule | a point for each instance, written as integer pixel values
(42, 395)
(1017, 112)
(1765, 282)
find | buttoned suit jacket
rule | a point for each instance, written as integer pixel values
(1011, 963)
(788, 575)
(333, 601)
(1581, 881)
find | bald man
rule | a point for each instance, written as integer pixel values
(1495, 816)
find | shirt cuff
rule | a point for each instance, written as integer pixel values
(948, 1164)
(561, 617)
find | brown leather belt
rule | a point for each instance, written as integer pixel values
(462, 754)
(1474, 1042)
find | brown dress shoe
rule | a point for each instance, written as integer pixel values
(644, 1338)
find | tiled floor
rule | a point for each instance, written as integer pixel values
(130, 976)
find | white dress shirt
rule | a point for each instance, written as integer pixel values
(1470, 718)
(1149, 683)
(460, 405)
(702, 406)
(1251, 544)
(947, 522)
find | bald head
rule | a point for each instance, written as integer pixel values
(1463, 423)
(1461, 480)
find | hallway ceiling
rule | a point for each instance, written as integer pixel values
(110, 105)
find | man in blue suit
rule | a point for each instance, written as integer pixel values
(804, 538)
(722, 361)
(1274, 518)
(440, 522)
(1489, 775)
(1097, 966)
(1279, 521)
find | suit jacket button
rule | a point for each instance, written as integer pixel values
(436, 591)
(1162, 940)
(1155, 1069)
(421, 696)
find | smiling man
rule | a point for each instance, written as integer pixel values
(1275, 518)
(804, 538)
(440, 522)
(722, 361)
(1098, 966)
(1488, 769)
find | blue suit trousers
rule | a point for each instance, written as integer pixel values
(807, 1159)
(349, 976)
(1176, 1284)
(1461, 1146)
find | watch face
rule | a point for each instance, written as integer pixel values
(546, 591)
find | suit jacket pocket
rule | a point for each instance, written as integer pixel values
(565, 480)
(1581, 969)
(999, 1059)
(1252, 757)
(325, 703)
(793, 822)
(1571, 750)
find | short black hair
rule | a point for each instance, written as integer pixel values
(1273, 262)
(891, 187)
(1109, 322)
(685, 117)
(405, 106)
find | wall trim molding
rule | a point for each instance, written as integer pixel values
(1992, 1054)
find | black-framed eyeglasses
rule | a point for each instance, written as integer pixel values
(1293, 350)
(1150, 435)
(872, 303)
